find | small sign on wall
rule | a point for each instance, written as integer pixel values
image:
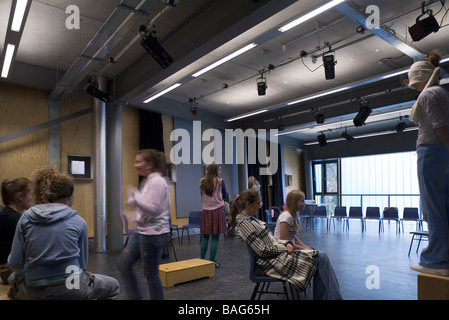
(79, 166)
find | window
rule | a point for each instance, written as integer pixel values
(326, 183)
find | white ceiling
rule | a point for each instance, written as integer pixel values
(198, 32)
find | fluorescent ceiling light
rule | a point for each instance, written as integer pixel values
(310, 15)
(162, 93)
(318, 95)
(8, 59)
(227, 58)
(19, 14)
(246, 115)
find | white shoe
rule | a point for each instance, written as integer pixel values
(439, 272)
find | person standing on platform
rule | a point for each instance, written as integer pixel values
(431, 111)
(18, 196)
(50, 248)
(213, 218)
(152, 216)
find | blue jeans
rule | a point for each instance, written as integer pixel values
(433, 178)
(149, 249)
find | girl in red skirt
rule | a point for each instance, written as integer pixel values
(213, 219)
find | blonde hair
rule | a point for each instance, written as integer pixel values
(252, 181)
(51, 185)
(292, 200)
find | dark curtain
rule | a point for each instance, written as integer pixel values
(278, 194)
(151, 130)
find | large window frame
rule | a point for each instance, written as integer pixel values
(326, 182)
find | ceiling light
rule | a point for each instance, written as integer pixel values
(424, 27)
(246, 115)
(322, 140)
(261, 86)
(225, 59)
(363, 114)
(401, 126)
(154, 48)
(347, 136)
(318, 95)
(162, 93)
(19, 14)
(8, 60)
(310, 15)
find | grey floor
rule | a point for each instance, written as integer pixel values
(353, 254)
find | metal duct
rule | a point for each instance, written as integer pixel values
(98, 47)
(381, 32)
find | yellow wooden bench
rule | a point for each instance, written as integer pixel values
(4, 292)
(187, 270)
(433, 287)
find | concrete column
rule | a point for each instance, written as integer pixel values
(114, 177)
(100, 170)
(54, 143)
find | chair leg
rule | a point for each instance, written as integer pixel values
(411, 243)
(256, 288)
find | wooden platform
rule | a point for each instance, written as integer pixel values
(433, 287)
(4, 292)
(187, 270)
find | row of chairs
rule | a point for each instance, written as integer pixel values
(372, 213)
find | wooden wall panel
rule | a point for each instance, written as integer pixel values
(22, 108)
(77, 137)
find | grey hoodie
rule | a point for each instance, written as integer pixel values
(48, 239)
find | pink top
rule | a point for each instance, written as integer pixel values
(152, 203)
(215, 201)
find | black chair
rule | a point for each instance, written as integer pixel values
(175, 227)
(304, 214)
(421, 234)
(391, 214)
(194, 223)
(340, 213)
(321, 212)
(259, 277)
(276, 213)
(373, 213)
(411, 214)
(356, 213)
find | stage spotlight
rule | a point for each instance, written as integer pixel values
(92, 89)
(347, 136)
(322, 140)
(262, 86)
(363, 114)
(319, 117)
(423, 27)
(329, 65)
(401, 126)
(152, 45)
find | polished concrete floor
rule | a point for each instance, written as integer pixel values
(369, 265)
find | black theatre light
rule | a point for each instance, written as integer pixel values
(92, 89)
(319, 117)
(262, 85)
(363, 114)
(401, 126)
(423, 28)
(322, 140)
(347, 136)
(329, 65)
(152, 45)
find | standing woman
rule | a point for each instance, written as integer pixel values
(213, 219)
(18, 196)
(431, 111)
(254, 184)
(152, 214)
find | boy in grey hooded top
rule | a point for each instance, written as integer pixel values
(50, 247)
(49, 239)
